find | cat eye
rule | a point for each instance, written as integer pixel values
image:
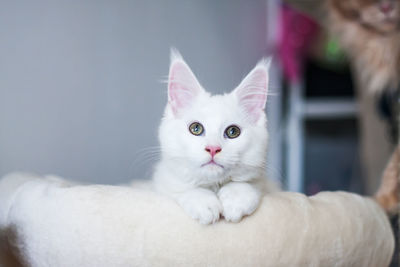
(232, 131)
(196, 128)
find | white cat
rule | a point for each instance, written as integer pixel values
(214, 148)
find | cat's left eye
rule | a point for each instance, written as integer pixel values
(232, 131)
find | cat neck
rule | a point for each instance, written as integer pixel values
(171, 175)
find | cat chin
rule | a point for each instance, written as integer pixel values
(213, 165)
(386, 26)
(389, 26)
(212, 170)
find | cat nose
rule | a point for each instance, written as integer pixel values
(386, 7)
(213, 150)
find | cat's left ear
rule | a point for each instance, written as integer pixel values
(252, 91)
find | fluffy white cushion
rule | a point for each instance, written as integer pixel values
(50, 223)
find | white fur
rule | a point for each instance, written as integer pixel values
(232, 187)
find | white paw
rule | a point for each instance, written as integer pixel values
(201, 204)
(238, 200)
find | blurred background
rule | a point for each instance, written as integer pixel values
(80, 81)
(81, 97)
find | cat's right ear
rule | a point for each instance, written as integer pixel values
(183, 86)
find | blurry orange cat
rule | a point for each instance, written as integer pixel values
(370, 31)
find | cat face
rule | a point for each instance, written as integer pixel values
(214, 137)
(382, 16)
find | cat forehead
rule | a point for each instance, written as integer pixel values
(216, 108)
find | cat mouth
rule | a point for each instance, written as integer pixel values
(390, 20)
(212, 162)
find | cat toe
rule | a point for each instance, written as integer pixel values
(205, 208)
(232, 214)
(207, 213)
(237, 203)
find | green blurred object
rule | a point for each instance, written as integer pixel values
(333, 52)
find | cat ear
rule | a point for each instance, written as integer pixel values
(183, 86)
(252, 91)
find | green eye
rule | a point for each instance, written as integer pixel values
(196, 128)
(232, 131)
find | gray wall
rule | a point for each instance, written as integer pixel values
(80, 91)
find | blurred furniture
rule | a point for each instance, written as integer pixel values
(301, 109)
(52, 223)
(292, 34)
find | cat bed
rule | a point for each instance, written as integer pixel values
(48, 222)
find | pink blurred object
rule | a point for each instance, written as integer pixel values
(296, 33)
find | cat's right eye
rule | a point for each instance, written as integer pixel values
(196, 128)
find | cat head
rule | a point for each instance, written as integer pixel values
(217, 136)
(382, 16)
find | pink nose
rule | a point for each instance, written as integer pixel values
(386, 7)
(213, 150)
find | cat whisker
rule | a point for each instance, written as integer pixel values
(146, 155)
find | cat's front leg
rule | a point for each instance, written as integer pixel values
(238, 199)
(201, 204)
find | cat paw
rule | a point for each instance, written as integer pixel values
(238, 200)
(202, 205)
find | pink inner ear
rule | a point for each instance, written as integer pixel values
(183, 86)
(252, 92)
